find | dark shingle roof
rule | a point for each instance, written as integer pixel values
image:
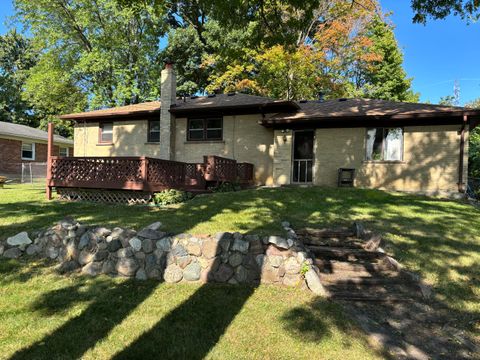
(183, 105)
(349, 108)
(30, 133)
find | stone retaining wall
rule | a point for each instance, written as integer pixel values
(155, 254)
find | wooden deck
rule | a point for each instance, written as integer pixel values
(145, 173)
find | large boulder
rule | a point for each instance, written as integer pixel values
(135, 243)
(164, 244)
(173, 274)
(85, 257)
(33, 249)
(279, 241)
(141, 275)
(235, 259)
(147, 246)
(210, 248)
(13, 253)
(240, 246)
(127, 266)
(223, 273)
(84, 240)
(292, 267)
(155, 226)
(19, 239)
(151, 234)
(314, 283)
(192, 272)
(68, 266)
(114, 245)
(92, 269)
(179, 251)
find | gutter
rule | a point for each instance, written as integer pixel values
(461, 185)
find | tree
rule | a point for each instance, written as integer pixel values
(384, 77)
(474, 145)
(16, 58)
(51, 90)
(107, 51)
(353, 54)
(440, 9)
(448, 100)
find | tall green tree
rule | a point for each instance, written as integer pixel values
(440, 9)
(107, 51)
(474, 145)
(384, 77)
(16, 58)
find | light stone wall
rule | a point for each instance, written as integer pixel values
(282, 159)
(430, 164)
(431, 153)
(167, 120)
(129, 139)
(243, 140)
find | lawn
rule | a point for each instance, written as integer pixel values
(439, 239)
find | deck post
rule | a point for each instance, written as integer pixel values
(144, 171)
(49, 160)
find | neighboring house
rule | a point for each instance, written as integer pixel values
(391, 145)
(20, 144)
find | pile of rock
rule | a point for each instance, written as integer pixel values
(155, 254)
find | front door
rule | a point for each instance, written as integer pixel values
(302, 156)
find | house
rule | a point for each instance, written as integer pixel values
(390, 145)
(20, 144)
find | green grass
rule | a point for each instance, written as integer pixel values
(47, 316)
(439, 239)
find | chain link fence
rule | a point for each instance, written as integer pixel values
(473, 188)
(34, 173)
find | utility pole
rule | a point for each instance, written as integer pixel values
(456, 93)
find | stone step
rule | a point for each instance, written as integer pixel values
(345, 296)
(332, 242)
(341, 279)
(333, 266)
(379, 290)
(339, 233)
(350, 254)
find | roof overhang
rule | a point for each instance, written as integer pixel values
(271, 107)
(411, 119)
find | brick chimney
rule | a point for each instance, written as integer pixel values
(167, 121)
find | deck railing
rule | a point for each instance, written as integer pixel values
(144, 173)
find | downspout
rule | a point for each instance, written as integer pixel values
(461, 185)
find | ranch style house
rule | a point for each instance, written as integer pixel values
(366, 143)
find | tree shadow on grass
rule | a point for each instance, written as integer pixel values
(192, 329)
(110, 304)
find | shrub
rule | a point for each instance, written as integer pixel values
(227, 187)
(171, 196)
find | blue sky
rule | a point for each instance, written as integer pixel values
(435, 54)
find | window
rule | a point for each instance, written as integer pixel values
(105, 133)
(28, 151)
(385, 144)
(63, 151)
(153, 131)
(205, 129)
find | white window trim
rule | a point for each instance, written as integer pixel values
(64, 147)
(33, 151)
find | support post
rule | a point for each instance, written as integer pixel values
(49, 160)
(144, 172)
(461, 186)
